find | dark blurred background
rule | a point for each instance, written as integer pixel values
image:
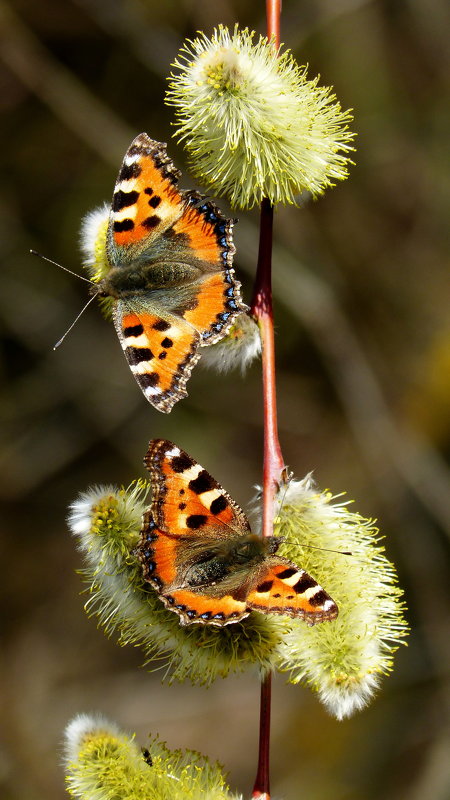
(361, 286)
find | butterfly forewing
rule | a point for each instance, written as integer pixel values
(146, 200)
(187, 500)
(285, 589)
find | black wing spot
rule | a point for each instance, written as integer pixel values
(124, 199)
(133, 330)
(124, 225)
(264, 587)
(181, 506)
(181, 463)
(195, 521)
(318, 599)
(166, 342)
(202, 483)
(148, 379)
(148, 190)
(287, 573)
(129, 171)
(151, 222)
(136, 355)
(304, 583)
(154, 201)
(161, 325)
(218, 505)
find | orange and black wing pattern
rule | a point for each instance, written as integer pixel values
(284, 588)
(146, 200)
(161, 352)
(171, 252)
(190, 512)
(187, 500)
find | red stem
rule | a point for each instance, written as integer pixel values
(273, 459)
(273, 14)
(261, 789)
(262, 309)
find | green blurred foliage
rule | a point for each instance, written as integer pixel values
(361, 286)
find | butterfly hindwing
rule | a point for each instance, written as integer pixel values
(159, 554)
(170, 254)
(160, 353)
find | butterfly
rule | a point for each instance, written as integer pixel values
(170, 255)
(197, 550)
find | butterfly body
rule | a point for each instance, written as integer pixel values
(148, 282)
(198, 552)
(221, 565)
(169, 255)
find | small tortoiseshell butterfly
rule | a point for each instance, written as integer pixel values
(198, 552)
(170, 255)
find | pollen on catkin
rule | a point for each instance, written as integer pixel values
(93, 234)
(106, 522)
(343, 660)
(103, 763)
(252, 123)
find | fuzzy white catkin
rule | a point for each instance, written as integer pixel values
(102, 763)
(253, 124)
(342, 661)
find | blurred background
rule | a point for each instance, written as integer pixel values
(361, 284)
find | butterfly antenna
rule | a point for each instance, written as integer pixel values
(328, 550)
(75, 321)
(75, 274)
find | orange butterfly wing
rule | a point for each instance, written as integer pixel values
(160, 352)
(285, 589)
(190, 512)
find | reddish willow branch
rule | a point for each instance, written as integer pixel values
(263, 311)
(273, 459)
